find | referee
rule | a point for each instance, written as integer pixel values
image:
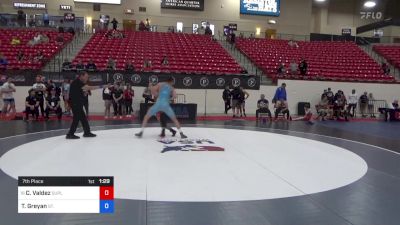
(77, 98)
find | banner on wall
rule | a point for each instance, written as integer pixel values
(23, 5)
(69, 17)
(182, 81)
(183, 4)
(257, 7)
(346, 31)
(66, 7)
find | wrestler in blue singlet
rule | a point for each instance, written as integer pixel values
(162, 103)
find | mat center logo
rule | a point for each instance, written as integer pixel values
(189, 145)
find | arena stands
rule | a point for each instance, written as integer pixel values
(185, 52)
(49, 47)
(390, 53)
(342, 61)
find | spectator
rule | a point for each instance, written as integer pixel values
(49, 86)
(61, 26)
(244, 95)
(323, 109)
(233, 39)
(38, 39)
(324, 94)
(53, 104)
(114, 23)
(111, 65)
(281, 69)
(308, 115)
(147, 63)
(339, 106)
(236, 106)
(164, 61)
(3, 60)
(293, 67)
(371, 106)
(281, 107)
(293, 44)
(364, 104)
(60, 39)
(385, 68)
(208, 30)
(21, 18)
(391, 110)
(15, 41)
(65, 93)
(280, 93)
(80, 66)
(142, 26)
(108, 100)
(263, 107)
(91, 66)
(20, 56)
(7, 91)
(148, 24)
(40, 90)
(46, 19)
(128, 100)
(147, 95)
(330, 96)
(39, 56)
(352, 103)
(171, 29)
(31, 105)
(32, 22)
(226, 96)
(67, 65)
(303, 66)
(129, 67)
(117, 101)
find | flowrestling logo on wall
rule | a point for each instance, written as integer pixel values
(235, 82)
(260, 7)
(220, 82)
(371, 15)
(153, 79)
(189, 145)
(135, 78)
(204, 82)
(252, 82)
(118, 77)
(187, 81)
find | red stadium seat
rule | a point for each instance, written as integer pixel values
(187, 53)
(326, 60)
(25, 35)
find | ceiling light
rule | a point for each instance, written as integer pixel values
(272, 21)
(370, 4)
(320, 0)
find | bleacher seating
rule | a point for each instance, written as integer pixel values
(187, 53)
(390, 53)
(341, 61)
(25, 35)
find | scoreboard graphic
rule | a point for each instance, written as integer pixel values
(65, 195)
(260, 7)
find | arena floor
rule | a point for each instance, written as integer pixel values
(229, 172)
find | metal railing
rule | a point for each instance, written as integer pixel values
(371, 108)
